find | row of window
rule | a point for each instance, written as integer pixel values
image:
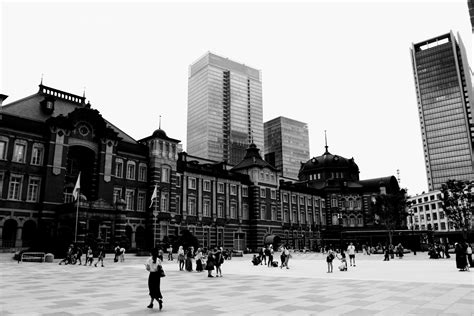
(15, 187)
(206, 186)
(20, 148)
(130, 171)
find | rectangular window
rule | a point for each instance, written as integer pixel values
(129, 199)
(285, 198)
(245, 191)
(310, 202)
(2, 176)
(19, 153)
(441, 213)
(233, 189)
(233, 211)
(33, 190)
(207, 186)
(435, 216)
(302, 200)
(422, 217)
(178, 180)
(273, 194)
(178, 204)
(220, 209)
(37, 155)
(131, 170)
(206, 208)
(245, 211)
(263, 211)
(14, 188)
(117, 194)
(164, 205)
(443, 225)
(3, 150)
(142, 172)
(220, 187)
(192, 183)
(274, 213)
(119, 168)
(428, 217)
(141, 201)
(165, 174)
(293, 199)
(192, 206)
(263, 192)
(286, 218)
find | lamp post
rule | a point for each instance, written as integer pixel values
(411, 213)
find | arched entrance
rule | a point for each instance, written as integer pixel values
(140, 238)
(29, 233)
(81, 159)
(9, 233)
(128, 234)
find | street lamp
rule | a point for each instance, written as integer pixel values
(411, 213)
(339, 220)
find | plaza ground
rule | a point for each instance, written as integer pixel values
(414, 285)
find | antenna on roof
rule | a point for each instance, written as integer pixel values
(251, 136)
(84, 92)
(326, 141)
(159, 124)
(41, 83)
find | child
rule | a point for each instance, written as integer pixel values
(101, 257)
(343, 265)
(89, 256)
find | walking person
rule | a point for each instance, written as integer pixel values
(270, 256)
(282, 257)
(219, 260)
(170, 253)
(351, 252)
(287, 257)
(263, 258)
(181, 258)
(469, 255)
(189, 261)
(79, 254)
(153, 265)
(89, 256)
(100, 257)
(199, 260)
(329, 258)
(210, 263)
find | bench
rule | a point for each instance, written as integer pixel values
(32, 256)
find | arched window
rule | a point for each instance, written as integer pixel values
(119, 168)
(165, 174)
(142, 172)
(131, 170)
(37, 154)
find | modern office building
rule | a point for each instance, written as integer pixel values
(286, 145)
(224, 109)
(426, 213)
(444, 93)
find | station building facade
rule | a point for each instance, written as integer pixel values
(48, 138)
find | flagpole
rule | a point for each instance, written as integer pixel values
(77, 213)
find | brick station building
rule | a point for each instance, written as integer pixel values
(48, 138)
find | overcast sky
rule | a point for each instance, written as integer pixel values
(344, 67)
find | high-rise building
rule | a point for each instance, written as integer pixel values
(444, 91)
(286, 145)
(224, 109)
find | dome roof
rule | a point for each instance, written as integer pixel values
(160, 133)
(328, 162)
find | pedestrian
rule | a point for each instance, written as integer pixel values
(270, 256)
(287, 257)
(461, 258)
(210, 263)
(282, 257)
(69, 254)
(391, 251)
(122, 254)
(262, 256)
(351, 252)
(170, 253)
(79, 254)
(342, 258)
(329, 258)
(181, 258)
(386, 254)
(400, 251)
(89, 256)
(117, 253)
(189, 257)
(100, 257)
(199, 260)
(469, 255)
(160, 254)
(219, 260)
(153, 265)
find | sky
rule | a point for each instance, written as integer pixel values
(343, 67)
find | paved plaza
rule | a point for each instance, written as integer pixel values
(413, 285)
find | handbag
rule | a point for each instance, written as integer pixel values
(161, 271)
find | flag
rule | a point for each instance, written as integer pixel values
(77, 187)
(154, 195)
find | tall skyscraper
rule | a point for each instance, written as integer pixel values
(224, 109)
(286, 145)
(444, 92)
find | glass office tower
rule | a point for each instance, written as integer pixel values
(224, 109)
(444, 92)
(286, 145)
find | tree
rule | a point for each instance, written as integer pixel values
(458, 204)
(390, 211)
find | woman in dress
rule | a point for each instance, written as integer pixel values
(199, 260)
(153, 265)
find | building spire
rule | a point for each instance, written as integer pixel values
(41, 83)
(84, 92)
(159, 123)
(326, 142)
